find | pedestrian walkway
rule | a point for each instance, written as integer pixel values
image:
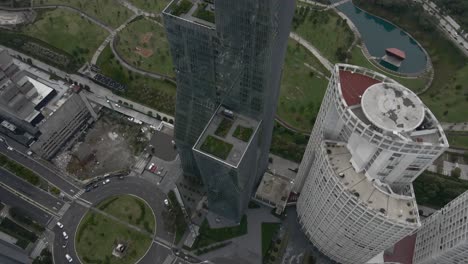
(324, 61)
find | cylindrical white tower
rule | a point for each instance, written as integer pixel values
(372, 138)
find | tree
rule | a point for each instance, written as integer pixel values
(456, 172)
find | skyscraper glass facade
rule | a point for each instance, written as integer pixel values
(232, 58)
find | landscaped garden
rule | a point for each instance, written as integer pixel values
(243, 133)
(67, 31)
(153, 93)
(216, 147)
(327, 31)
(143, 44)
(436, 190)
(223, 127)
(302, 87)
(268, 232)
(155, 6)
(288, 144)
(458, 140)
(98, 235)
(110, 12)
(204, 14)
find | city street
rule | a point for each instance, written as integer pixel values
(34, 193)
(40, 169)
(35, 213)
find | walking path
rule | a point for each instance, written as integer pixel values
(324, 61)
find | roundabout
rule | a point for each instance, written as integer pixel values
(161, 241)
(119, 229)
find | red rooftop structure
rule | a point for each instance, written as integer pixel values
(353, 86)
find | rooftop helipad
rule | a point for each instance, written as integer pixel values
(392, 107)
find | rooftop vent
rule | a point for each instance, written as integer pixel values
(383, 211)
(341, 175)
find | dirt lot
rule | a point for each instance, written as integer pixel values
(111, 145)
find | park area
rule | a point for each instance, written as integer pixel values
(143, 44)
(111, 145)
(115, 222)
(67, 31)
(154, 6)
(108, 11)
(302, 88)
(153, 93)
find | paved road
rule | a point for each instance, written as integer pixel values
(41, 170)
(130, 185)
(37, 195)
(35, 213)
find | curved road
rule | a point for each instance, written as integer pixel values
(162, 243)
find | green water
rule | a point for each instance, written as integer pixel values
(378, 35)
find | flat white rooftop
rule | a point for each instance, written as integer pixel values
(376, 195)
(392, 107)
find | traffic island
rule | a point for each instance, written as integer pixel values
(117, 230)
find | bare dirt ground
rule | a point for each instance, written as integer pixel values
(145, 38)
(112, 144)
(146, 53)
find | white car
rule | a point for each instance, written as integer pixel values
(60, 225)
(68, 257)
(105, 182)
(166, 202)
(65, 235)
(9, 148)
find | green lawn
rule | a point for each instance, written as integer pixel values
(216, 147)
(155, 6)
(415, 84)
(287, 144)
(108, 11)
(210, 235)
(143, 44)
(67, 31)
(223, 128)
(130, 209)
(325, 30)
(19, 170)
(97, 236)
(243, 133)
(156, 94)
(302, 88)
(459, 140)
(268, 231)
(448, 95)
(435, 190)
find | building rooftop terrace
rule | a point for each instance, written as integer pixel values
(378, 196)
(197, 11)
(227, 136)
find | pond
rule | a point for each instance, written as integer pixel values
(378, 35)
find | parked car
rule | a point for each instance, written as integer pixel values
(150, 167)
(154, 168)
(166, 202)
(105, 181)
(65, 235)
(60, 225)
(68, 257)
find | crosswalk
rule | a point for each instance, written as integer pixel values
(78, 194)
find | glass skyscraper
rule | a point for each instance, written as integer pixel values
(228, 57)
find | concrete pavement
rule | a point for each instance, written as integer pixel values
(34, 213)
(40, 169)
(34, 193)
